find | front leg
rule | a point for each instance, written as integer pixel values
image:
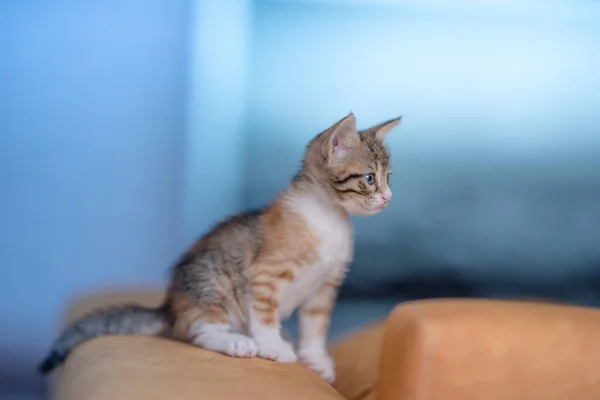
(268, 284)
(315, 315)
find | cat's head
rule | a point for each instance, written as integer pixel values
(353, 166)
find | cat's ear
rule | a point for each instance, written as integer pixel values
(380, 131)
(341, 138)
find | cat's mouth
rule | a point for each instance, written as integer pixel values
(362, 208)
(374, 209)
(379, 206)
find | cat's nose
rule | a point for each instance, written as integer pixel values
(387, 197)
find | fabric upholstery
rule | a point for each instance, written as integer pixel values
(135, 367)
(128, 368)
(357, 363)
(492, 350)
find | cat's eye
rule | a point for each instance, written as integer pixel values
(370, 179)
(388, 178)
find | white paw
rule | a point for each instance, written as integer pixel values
(232, 344)
(243, 347)
(321, 363)
(276, 350)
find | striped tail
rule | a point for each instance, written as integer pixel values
(119, 320)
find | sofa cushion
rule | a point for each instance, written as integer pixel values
(493, 350)
(133, 367)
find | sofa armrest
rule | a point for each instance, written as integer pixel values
(145, 368)
(493, 350)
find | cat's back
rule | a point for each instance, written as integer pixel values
(235, 238)
(243, 227)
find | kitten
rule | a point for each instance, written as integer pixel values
(230, 291)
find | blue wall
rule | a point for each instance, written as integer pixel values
(214, 147)
(497, 161)
(92, 111)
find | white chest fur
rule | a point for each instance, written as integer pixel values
(334, 230)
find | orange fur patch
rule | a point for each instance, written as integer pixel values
(287, 240)
(189, 310)
(266, 285)
(286, 275)
(311, 312)
(265, 305)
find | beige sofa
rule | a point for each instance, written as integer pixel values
(425, 350)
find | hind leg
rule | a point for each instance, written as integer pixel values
(209, 326)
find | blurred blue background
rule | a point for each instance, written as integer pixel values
(128, 128)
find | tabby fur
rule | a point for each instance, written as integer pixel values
(230, 290)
